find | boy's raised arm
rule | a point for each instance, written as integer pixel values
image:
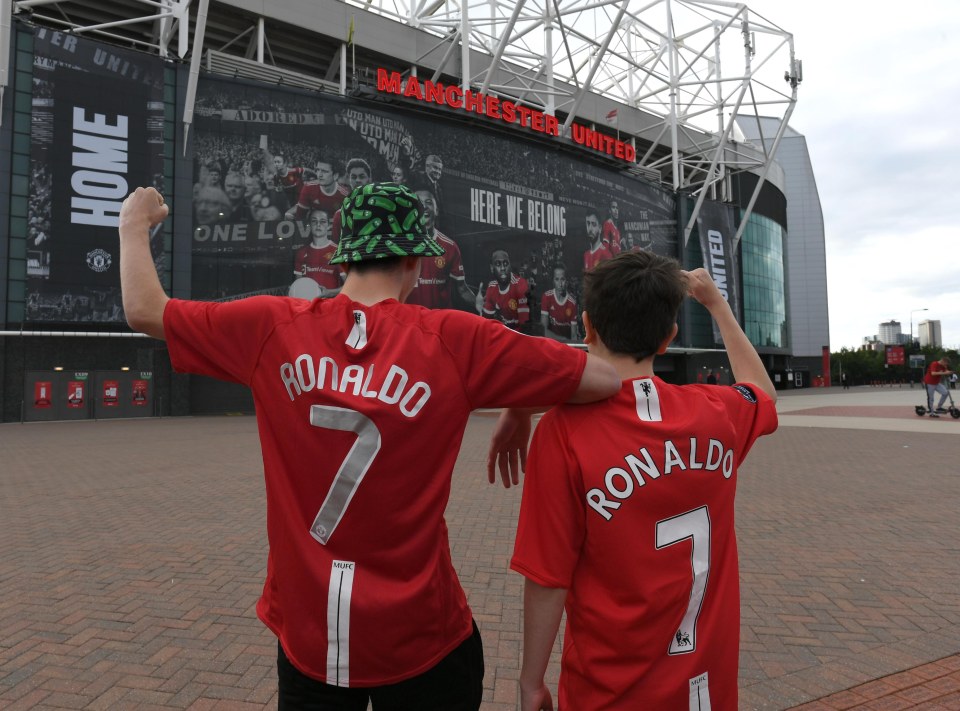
(744, 360)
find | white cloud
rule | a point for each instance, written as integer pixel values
(878, 107)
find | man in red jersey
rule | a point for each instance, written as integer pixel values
(438, 274)
(627, 518)
(597, 251)
(505, 298)
(611, 230)
(358, 175)
(287, 180)
(558, 310)
(359, 399)
(325, 193)
(313, 260)
(933, 380)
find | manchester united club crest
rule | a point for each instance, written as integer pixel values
(513, 304)
(440, 262)
(568, 312)
(99, 260)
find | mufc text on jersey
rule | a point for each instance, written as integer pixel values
(394, 388)
(619, 483)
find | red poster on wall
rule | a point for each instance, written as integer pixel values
(895, 355)
(111, 393)
(75, 393)
(42, 393)
(140, 392)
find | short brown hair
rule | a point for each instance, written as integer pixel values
(632, 301)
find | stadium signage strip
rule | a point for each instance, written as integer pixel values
(495, 108)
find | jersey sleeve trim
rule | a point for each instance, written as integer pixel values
(545, 580)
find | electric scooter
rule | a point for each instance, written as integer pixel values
(954, 411)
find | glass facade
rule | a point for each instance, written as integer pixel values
(764, 287)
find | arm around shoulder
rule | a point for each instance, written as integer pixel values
(508, 444)
(598, 381)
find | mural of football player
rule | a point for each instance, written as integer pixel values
(597, 251)
(440, 277)
(505, 298)
(558, 310)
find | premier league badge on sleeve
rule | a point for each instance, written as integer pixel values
(747, 393)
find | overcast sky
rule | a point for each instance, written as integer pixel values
(879, 106)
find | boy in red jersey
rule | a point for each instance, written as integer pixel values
(506, 296)
(627, 518)
(351, 395)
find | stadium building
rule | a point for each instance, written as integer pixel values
(557, 132)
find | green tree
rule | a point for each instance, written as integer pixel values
(865, 366)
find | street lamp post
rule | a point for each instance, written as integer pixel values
(910, 350)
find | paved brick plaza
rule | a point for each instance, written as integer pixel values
(132, 554)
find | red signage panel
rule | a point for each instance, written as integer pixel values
(43, 394)
(895, 355)
(140, 393)
(111, 393)
(75, 393)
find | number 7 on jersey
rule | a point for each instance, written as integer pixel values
(693, 525)
(353, 468)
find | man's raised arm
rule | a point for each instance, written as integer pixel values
(143, 296)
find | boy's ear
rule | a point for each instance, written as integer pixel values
(410, 263)
(668, 340)
(589, 334)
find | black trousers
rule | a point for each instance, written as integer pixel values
(454, 684)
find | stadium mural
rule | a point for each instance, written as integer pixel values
(715, 223)
(520, 222)
(89, 148)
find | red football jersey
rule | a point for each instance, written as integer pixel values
(629, 504)
(314, 262)
(361, 410)
(932, 376)
(611, 237)
(561, 314)
(312, 197)
(433, 288)
(592, 257)
(290, 184)
(509, 306)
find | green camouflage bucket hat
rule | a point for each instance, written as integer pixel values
(382, 220)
